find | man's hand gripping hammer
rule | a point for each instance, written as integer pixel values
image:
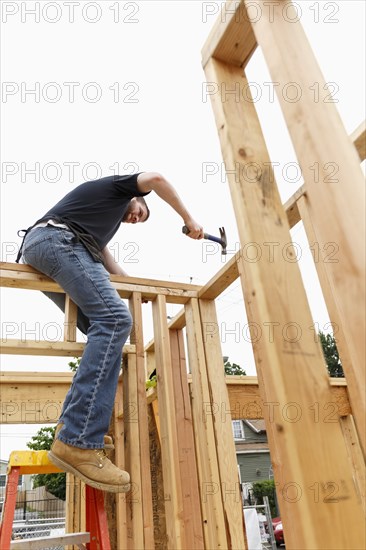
(221, 240)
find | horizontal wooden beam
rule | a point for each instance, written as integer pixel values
(25, 277)
(222, 280)
(231, 39)
(291, 208)
(36, 398)
(56, 540)
(42, 347)
(358, 138)
(32, 397)
(245, 401)
(16, 378)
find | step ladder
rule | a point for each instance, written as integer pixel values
(37, 462)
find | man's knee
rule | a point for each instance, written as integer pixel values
(125, 318)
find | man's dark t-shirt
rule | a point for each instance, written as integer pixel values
(94, 210)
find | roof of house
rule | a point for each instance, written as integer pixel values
(257, 426)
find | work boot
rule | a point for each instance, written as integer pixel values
(90, 465)
(108, 441)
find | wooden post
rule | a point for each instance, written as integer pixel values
(214, 524)
(140, 373)
(220, 410)
(76, 506)
(119, 454)
(356, 387)
(328, 167)
(169, 437)
(157, 482)
(310, 452)
(134, 510)
(71, 314)
(192, 515)
(355, 455)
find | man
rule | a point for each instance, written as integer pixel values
(69, 244)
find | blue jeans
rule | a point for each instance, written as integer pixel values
(88, 406)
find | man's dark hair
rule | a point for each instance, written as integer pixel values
(142, 201)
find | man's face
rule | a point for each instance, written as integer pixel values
(135, 213)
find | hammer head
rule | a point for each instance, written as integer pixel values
(220, 240)
(223, 239)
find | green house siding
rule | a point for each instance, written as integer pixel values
(252, 436)
(249, 463)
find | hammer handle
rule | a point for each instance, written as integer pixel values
(213, 238)
(185, 230)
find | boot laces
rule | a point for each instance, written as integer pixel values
(101, 454)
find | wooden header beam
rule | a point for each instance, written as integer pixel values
(36, 397)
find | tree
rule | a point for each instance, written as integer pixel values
(266, 488)
(232, 368)
(331, 355)
(54, 483)
(74, 364)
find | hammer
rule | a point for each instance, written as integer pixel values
(221, 240)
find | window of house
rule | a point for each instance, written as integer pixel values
(3, 480)
(238, 429)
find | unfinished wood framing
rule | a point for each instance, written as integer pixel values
(173, 493)
(273, 291)
(25, 398)
(118, 434)
(315, 425)
(356, 386)
(328, 193)
(192, 516)
(143, 429)
(134, 509)
(208, 469)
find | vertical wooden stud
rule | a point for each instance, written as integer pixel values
(192, 515)
(71, 314)
(140, 373)
(220, 406)
(208, 471)
(169, 436)
(285, 349)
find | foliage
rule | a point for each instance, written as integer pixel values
(331, 355)
(151, 382)
(266, 488)
(232, 368)
(43, 439)
(54, 483)
(74, 364)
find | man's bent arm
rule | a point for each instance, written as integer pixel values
(152, 181)
(111, 265)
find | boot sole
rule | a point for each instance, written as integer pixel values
(96, 484)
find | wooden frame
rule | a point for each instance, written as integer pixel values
(320, 460)
(273, 291)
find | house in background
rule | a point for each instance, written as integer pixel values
(252, 453)
(24, 483)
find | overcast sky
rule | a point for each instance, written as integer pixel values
(95, 88)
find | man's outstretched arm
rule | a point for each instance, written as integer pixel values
(152, 181)
(111, 265)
